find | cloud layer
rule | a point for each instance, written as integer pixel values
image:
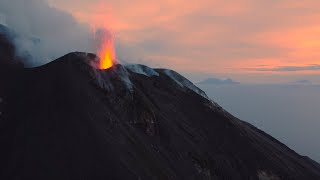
(210, 35)
(246, 39)
(314, 67)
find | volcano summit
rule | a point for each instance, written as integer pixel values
(67, 120)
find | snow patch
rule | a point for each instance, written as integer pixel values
(141, 69)
(183, 82)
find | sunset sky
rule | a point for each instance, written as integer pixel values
(248, 40)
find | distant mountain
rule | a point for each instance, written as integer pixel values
(215, 81)
(302, 82)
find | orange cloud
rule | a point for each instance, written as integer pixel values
(210, 35)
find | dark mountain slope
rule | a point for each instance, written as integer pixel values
(66, 120)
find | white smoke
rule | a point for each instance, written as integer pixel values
(3, 19)
(44, 32)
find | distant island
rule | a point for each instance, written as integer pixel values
(302, 82)
(216, 81)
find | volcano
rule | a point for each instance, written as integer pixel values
(67, 120)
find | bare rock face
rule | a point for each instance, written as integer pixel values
(67, 120)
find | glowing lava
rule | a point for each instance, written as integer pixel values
(107, 57)
(105, 49)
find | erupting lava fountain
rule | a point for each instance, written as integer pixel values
(105, 49)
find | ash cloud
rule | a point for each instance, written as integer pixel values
(44, 33)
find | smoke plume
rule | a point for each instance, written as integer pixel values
(44, 33)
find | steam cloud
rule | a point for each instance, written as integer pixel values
(44, 32)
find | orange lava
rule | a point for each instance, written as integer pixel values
(107, 57)
(105, 48)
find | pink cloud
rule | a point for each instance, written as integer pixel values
(210, 35)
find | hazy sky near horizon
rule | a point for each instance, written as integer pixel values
(243, 39)
(289, 113)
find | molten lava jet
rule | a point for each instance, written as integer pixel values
(105, 49)
(107, 56)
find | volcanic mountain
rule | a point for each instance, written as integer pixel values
(68, 120)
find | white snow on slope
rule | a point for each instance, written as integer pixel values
(183, 82)
(141, 69)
